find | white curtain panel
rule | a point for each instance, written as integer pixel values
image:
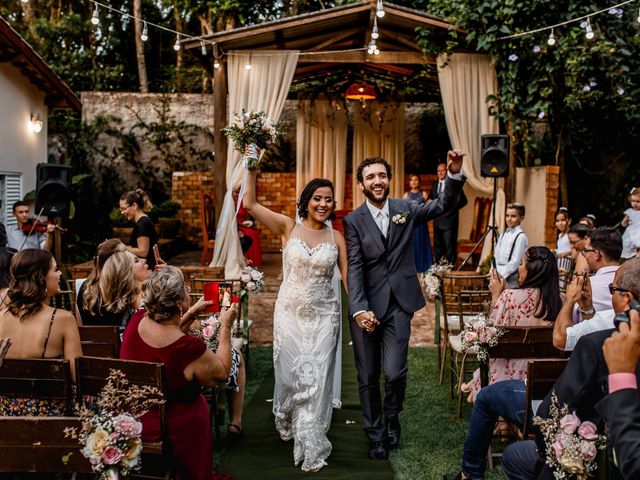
(321, 145)
(262, 88)
(378, 131)
(466, 80)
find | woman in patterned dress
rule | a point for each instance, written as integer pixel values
(306, 320)
(536, 302)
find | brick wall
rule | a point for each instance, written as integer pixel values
(276, 191)
(552, 191)
(185, 189)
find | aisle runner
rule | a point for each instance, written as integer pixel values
(263, 455)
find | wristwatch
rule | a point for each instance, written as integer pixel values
(587, 311)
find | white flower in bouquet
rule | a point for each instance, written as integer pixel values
(480, 334)
(252, 279)
(256, 275)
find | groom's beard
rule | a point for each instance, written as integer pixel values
(369, 194)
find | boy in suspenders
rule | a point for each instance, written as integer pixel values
(511, 245)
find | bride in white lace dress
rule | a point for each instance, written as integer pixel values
(306, 324)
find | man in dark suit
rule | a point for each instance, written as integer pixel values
(445, 227)
(384, 291)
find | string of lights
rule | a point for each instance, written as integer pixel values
(589, 31)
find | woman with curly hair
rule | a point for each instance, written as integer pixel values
(36, 329)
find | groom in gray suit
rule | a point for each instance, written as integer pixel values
(384, 291)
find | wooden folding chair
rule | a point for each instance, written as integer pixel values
(541, 376)
(66, 300)
(39, 445)
(92, 374)
(100, 341)
(45, 379)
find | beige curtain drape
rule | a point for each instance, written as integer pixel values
(466, 80)
(262, 88)
(378, 130)
(321, 145)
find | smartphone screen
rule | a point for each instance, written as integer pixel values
(156, 252)
(493, 263)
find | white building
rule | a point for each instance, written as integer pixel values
(28, 90)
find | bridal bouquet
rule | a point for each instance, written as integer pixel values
(571, 445)
(111, 433)
(250, 131)
(252, 279)
(432, 278)
(480, 334)
(208, 330)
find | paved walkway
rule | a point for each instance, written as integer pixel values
(261, 305)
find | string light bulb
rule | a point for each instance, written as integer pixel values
(638, 15)
(380, 9)
(374, 31)
(145, 33)
(376, 51)
(551, 41)
(216, 64)
(372, 47)
(589, 33)
(247, 65)
(176, 46)
(203, 48)
(95, 19)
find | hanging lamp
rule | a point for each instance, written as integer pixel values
(361, 92)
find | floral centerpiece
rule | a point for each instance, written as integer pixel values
(432, 278)
(480, 334)
(250, 131)
(571, 444)
(111, 430)
(252, 279)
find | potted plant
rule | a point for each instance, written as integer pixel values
(122, 228)
(167, 215)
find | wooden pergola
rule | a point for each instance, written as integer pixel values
(330, 41)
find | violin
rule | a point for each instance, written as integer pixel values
(34, 225)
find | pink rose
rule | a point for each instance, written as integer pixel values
(470, 337)
(251, 286)
(558, 446)
(114, 435)
(127, 425)
(245, 277)
(588, 450)
(588, 431)
(208, 331)
(482, 338)
(569, 423)
(111, 455)
(492, 332)
(478, 327)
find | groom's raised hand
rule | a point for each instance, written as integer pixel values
(454, 160)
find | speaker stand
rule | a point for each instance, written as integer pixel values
(490, 229)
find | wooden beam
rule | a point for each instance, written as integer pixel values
(421, 19)
(361, 56)
(219, 138)
(334, 39)
(405, 40)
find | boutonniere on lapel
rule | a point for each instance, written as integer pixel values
(400, 218)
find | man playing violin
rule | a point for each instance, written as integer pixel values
(18, 236)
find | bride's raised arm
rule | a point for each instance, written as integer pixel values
(276, 222)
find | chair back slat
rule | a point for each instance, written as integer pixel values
(46, 379)
(100, 341)
(65, 299)
(541, 376)
(39, 445)
(526, 342)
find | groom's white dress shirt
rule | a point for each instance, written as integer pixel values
(381, 216)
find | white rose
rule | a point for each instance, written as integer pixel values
(251, 286)
(256, 275)
(245, 277)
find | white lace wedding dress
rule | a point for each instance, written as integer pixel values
(305, 341)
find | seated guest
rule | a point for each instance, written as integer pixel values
(602, 249)
(582, 385)
(578, 234)
(6, 254)
(36, 329)
(535, 302)
(90, 306)
(155, 335)
(506, 399)
(621, 407)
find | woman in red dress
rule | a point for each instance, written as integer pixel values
(156, 334)
(247, 228)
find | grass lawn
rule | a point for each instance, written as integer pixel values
(431, 439)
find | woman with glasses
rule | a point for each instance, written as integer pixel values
(536, 302)
(36, 329)
(133, 206)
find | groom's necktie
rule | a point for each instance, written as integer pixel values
(383, 223)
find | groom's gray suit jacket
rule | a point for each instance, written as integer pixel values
(379, 266)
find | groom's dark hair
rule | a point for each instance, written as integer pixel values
(307, 193)
(372, 161)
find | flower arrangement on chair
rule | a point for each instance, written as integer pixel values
(432, 278)
(251, 131)
(252, 279)
(111, 430)
(480, 334)
(571, 444)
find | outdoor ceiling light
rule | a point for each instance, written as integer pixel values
(589, 33)
(145, 32)
(203, 48)
(176, 46)
(552, 39)
(95, 19)
(360, 92)
(216, 63)
(374, 31)
(379, 9)
(36, 123)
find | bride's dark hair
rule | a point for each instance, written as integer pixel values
(307, 193)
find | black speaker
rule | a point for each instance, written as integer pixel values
(494, 161)
(53, 189)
